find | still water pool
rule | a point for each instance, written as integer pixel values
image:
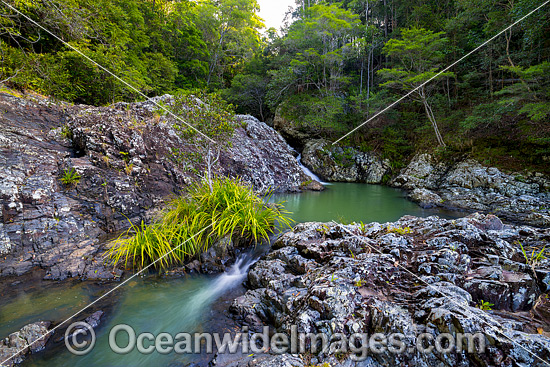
(351, 202)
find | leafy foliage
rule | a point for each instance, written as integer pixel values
(331, 67)
(337, 64)
(158, 46)
(209, 123)
(485, 306)
(194, 222)
(70, 177)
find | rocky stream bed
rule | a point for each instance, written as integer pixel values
(417, 275)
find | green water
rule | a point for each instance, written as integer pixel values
(351, 202)
(184, 305)
(188, 304)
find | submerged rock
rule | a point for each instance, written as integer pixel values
(31, 338)
(417, 275)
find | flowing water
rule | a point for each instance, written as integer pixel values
(307, 171)
(188, 304)
(184, 305)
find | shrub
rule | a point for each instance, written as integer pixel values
(195, 221)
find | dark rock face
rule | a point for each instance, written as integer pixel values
(293, 135)
(31, 338)
(417, 275)
(128, 160)
(469, 185)
(346, 164)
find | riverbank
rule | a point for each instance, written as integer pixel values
(123, 155)
(125, 161)
(416, 275)
(460, 183)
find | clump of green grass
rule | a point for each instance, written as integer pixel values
(193, 222)
(70, 177)
(66, 132)
(535, 257)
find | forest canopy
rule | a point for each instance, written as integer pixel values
(331, 67)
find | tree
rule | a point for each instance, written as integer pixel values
(417, 57)
(213, 122)
(230, 28)
(248, 93)
(532, 94)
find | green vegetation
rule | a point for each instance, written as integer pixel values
(332, 67)
(418, 56)
(70, 177)
(66, 132)
(399, 230)
(534, 257)
(157, 46)
(485, 306)
(339, 63)
(363, 228)
(213, 118)
(192, 223)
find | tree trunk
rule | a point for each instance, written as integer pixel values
(210, 162)
(431, 117)
(361, 84)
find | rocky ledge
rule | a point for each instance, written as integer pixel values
(129, 159)
(521, 198)
(417, 275)
(344, 164)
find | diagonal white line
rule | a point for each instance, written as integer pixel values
(106, 294)
(110, 72)
(441, 292)
(441, 72)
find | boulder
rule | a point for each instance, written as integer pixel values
(469, 185)
(31, 338)
(129, 160)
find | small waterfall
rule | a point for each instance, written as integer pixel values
(306, 170)
(224, 282)
(234, 276)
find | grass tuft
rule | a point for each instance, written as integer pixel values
(198, 220)
(70, 177)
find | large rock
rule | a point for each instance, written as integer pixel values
(416, 276)
(129, 159)
(343, 164)
(469, 185)
(31, 338)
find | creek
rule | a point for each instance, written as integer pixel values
(194, 303)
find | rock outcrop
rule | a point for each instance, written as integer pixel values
(128, 158)
(343, 164)
(294, 135)
(31, 338)
(469, 185)
(417, 275)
